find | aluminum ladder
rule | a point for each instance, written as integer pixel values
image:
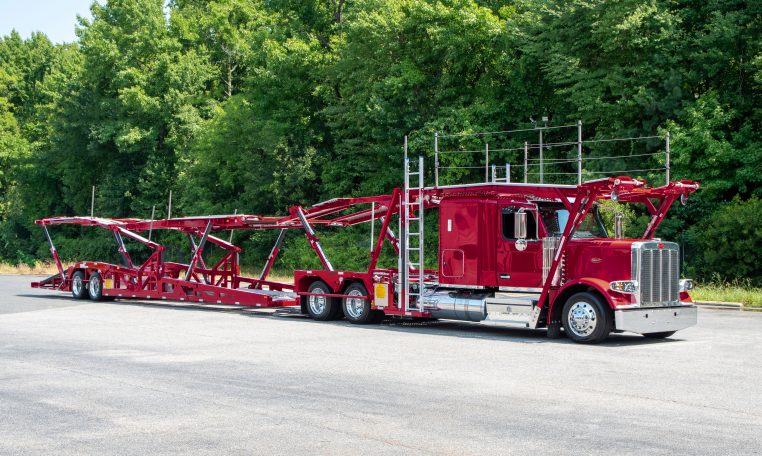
(506, 178)
(411, 221)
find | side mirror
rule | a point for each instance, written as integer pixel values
(520, 224)
(618, 230)
(520, 229)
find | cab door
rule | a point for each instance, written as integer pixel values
(518, 268)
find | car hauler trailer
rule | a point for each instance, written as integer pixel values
(510, 254)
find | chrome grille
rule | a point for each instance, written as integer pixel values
(657, 271)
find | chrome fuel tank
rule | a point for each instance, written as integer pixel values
(456, 305)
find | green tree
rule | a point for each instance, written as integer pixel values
(727, 242)
(267, 137)
(13, 151)
(408, 67)
(136, 105)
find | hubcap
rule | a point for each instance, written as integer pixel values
(76, 285)
(354, 306)
(318, 303)
(95, 286)
(582, 319)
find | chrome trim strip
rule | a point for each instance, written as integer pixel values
(521, 289)
(459, 286)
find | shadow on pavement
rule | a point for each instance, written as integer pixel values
(448, 328)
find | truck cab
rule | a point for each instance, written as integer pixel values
(505, 243)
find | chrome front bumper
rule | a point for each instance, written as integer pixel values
(655, 319)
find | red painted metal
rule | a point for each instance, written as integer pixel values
(472, 252)
(384, 233)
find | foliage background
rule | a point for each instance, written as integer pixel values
(258, 105)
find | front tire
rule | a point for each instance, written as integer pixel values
(322, 308)
(78, 285)
(585, 318)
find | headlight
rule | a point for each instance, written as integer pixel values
(624, 286)
(686, 285)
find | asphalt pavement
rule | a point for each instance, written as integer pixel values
(137, 378)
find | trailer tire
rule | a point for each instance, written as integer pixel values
(95, 287)
(79, 285)
(585, 318)
(322, 308)
(659, 335)
(358, 311)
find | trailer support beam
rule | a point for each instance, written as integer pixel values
(200, 259)
(313, 239)
(273, 255)
(54, 252)
(122, 249)
(580, 208)
(385, 231)
(658, 216)
(198, 251)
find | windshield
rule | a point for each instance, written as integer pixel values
(555, 216)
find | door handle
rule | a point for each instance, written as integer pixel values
(505, 276)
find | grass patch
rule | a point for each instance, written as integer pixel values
(737, 291)
(40, 267)
(272, 277)
(49, 268)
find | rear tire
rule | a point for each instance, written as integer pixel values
(321, 308)
(660, 335)
(585, 318)
(78, 285)
(359, 311)
(95, 287)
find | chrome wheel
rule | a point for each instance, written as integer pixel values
(321, 308)
(582, 319)
(587, 318)
(77, 285)
(318, 303)
(95, 286)
(354, 307)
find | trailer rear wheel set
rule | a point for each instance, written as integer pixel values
(492, 268)
(322, 308)
(79, 285)
(358, 310)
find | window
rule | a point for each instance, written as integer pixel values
(555, 216)
(507, 223)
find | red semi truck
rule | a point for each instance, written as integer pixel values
(522, 255)
(510, 254)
